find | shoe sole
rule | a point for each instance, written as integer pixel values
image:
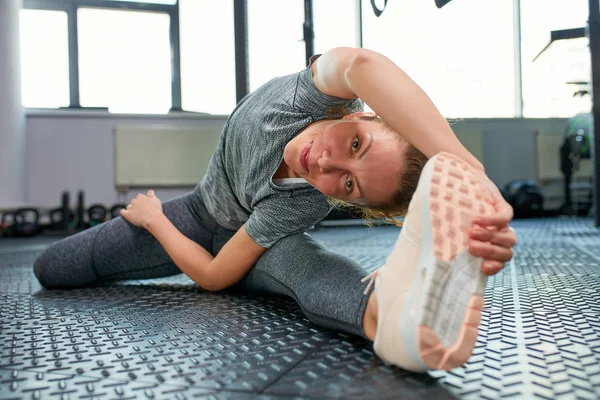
(443, 310)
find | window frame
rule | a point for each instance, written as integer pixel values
(241, 41)
(72, 6)
(240, 34)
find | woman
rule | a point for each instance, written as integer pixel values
(286, 151)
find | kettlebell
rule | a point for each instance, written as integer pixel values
(26, 222)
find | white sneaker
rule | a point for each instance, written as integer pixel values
(430, 290)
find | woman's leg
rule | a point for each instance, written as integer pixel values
(326, 285)
(118, 250)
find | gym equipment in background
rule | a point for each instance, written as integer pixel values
(7, 224)
(525, 197)
(114, 210)
(97, 214)
(576, 146)
(562, 34)
(23, 222)
(58, 219)
(379, 9)
(66, 221)
(26, 222)
(579, 135)
(63, 220)
(441, 3)
(80, 223)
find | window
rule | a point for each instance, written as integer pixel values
(44, 59)
(124, 60)
(461, 55)
(207, 56)
(545, 89)
(275, 39)
(335, 24)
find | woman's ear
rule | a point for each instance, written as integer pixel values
(360, 114)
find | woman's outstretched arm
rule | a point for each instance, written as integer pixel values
(233, 262)
(392, 94)
(404, 106)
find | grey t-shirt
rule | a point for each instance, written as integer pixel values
(238, 187)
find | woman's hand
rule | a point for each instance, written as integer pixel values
(491, 237)
(143, 209)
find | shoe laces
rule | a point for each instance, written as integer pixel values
(371, 277)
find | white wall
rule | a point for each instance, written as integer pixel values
(509, 150)
(74, 151)
(68, 152)
(12, 133)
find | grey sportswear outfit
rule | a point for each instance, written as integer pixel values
(237, 190)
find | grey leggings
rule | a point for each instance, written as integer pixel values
(326, 285)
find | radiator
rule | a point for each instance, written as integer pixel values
(548, 158)
(163, 156)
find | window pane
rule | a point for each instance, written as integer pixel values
(336, 24)
(461, 55)
(545, 89)
(207, 66)
(275, 39)
(124, 60)
(44, 59)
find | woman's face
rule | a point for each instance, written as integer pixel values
(353, 160)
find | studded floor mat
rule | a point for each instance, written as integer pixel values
(167, 339)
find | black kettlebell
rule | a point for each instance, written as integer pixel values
(7, 224)
(97, 214)
(525, 197)
(58, 221)
(27, 222)
(115, 210)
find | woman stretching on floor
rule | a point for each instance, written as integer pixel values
(285, 152)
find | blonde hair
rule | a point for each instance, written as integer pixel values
(414, 162)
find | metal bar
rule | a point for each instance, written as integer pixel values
(175, 60)
(123, 5)
(541, 52)
(240, 20)
(360, 23)
(74, 94)
(563, 34)
(518, 61)
(309, 32)
(43, 5)
(594, 37)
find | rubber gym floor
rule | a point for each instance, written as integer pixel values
(165, 338)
